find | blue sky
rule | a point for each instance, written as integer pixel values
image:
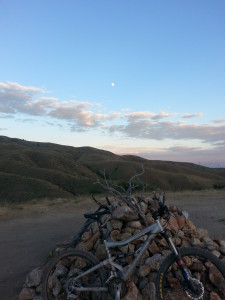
(132, 76)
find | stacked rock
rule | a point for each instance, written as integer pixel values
(123, 223)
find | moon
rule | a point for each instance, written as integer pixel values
(113, 84)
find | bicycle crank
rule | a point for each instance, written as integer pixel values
(71, 286)
(116, 283)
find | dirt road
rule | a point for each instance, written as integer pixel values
(26, 239)
(206, 209)
(27, 234)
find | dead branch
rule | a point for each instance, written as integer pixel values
(127, 198)
(130, 188)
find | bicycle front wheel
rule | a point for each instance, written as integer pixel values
(59, 280)
(206, 272)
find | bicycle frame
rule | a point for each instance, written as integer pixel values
(150, 231)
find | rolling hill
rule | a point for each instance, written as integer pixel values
(31, 170)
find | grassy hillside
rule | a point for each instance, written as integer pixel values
(31, 170)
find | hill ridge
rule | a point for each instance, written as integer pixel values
(52, 170)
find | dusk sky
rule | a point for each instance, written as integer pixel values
(140, 77)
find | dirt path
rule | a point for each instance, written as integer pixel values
(27, 234)
(206, 210)
(26, 238)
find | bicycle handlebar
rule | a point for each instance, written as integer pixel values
(163, 209)
(103, 209)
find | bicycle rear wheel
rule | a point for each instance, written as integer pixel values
(206, 271)
(59, 283)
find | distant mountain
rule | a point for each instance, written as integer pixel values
(31, 170)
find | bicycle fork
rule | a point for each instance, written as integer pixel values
(188, 282)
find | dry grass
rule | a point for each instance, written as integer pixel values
(30, 170)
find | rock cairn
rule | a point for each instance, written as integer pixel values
(125, 222)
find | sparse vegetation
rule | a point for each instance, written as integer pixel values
(222, 220)
(31, 170)
(217, 186)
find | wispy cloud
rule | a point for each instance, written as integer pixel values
(190, 116)
(15, 88)
(141, 115)
(219, 121)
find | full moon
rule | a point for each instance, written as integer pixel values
(113, 84)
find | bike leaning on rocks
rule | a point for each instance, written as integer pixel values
(186, 273)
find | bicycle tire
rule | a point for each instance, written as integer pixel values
(62, 268)
(202, 265)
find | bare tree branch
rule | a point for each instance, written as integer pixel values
(127, 198)
(129, 190)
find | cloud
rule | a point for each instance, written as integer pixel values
(148, 129)
(135, 116)
(16, 99)
(6, 116)
(190, 116)
(219, 121)
(81, 113)
(15, 88)
(28, 100)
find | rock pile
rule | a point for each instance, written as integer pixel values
(125, 222)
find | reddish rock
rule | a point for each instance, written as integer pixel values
(33, 279)
(173, 225)
(124, 213)
(144, 270)
(217, 279)
(86, 236)
(114, 234)
(210, 244)
(190, 225)
(173, 208)
(27, 294)
(153, 248)
(123, 236)
(149, 219)
(202, 233)
(132, 293)
(116, 224)
(143, 207)
(134, 224)
(181, 221)
(196, 242)
(214, 296)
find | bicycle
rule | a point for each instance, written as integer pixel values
(186, 273)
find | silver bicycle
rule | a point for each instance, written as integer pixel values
(186, 273)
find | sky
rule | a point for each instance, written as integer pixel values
(139, 77)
